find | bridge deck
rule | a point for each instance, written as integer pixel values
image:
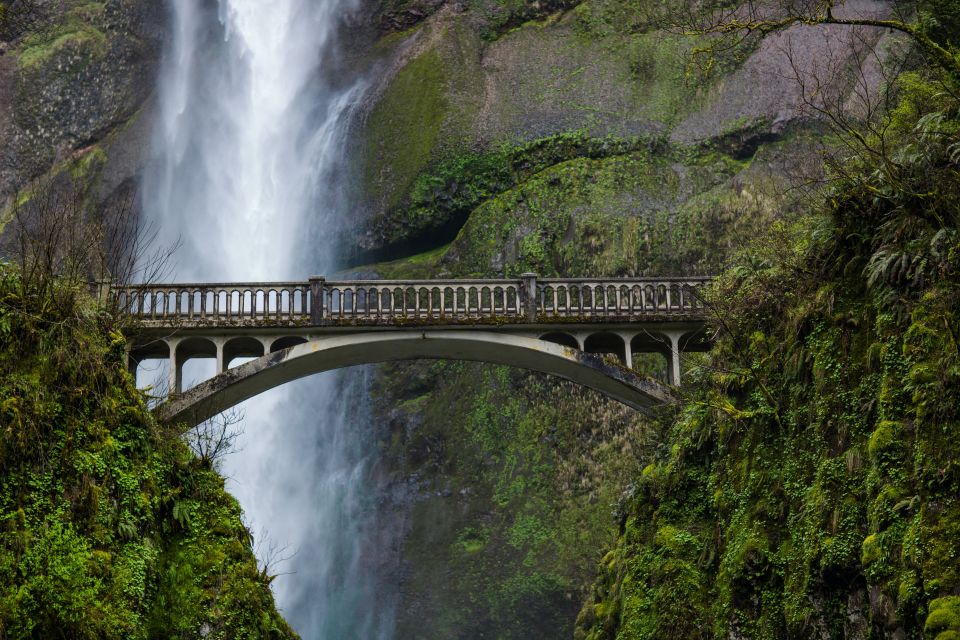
(556, 326)
(412, 303)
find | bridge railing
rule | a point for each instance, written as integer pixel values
(618, 298)
(422, 299)
(319, 301)
(279, 301)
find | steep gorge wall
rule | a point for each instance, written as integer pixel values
(566, 140)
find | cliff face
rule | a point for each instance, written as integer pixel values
(809, 488)
(110, 526)
(565, 140)
(462, 84)
(74, 78)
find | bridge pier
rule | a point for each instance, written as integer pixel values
(221, 358)
(673, 376)
(627, 349)
(175, 373)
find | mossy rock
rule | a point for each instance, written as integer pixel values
(943, 619)
(78, 36)
(885, 440)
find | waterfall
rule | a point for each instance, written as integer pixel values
(247, 177)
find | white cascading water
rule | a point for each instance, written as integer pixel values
(248, 163)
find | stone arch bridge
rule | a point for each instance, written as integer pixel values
(584, 330)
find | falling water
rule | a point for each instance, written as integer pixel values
(254, 104)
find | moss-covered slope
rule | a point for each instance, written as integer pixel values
(809, 488)
(110, 527)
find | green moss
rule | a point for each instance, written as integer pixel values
(89, 163)
(111, 527)
(528, 505)
(78, 33)
(884, 438)
(824, 361)
(405, 124)
(943, 619)
(870, 549)
(592, 215)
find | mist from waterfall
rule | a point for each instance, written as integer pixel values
(247, 177)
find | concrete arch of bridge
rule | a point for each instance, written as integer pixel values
(607, 343)
(334, 352)
(563, 339)
(286, 342)
(241, 347)
(670, 344)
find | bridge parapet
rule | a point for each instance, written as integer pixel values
(321, 302)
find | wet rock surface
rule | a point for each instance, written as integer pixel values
(73, 81)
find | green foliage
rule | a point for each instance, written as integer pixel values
(109, 526)
(810, 485)
(525, 479)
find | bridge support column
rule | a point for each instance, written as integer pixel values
(221, 362)
(674, 372)
(581, 339)
(175, 375)
(267, 343)
(103, 292)
(627, 350)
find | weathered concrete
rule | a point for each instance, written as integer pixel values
(336, 351)
(294, 329)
